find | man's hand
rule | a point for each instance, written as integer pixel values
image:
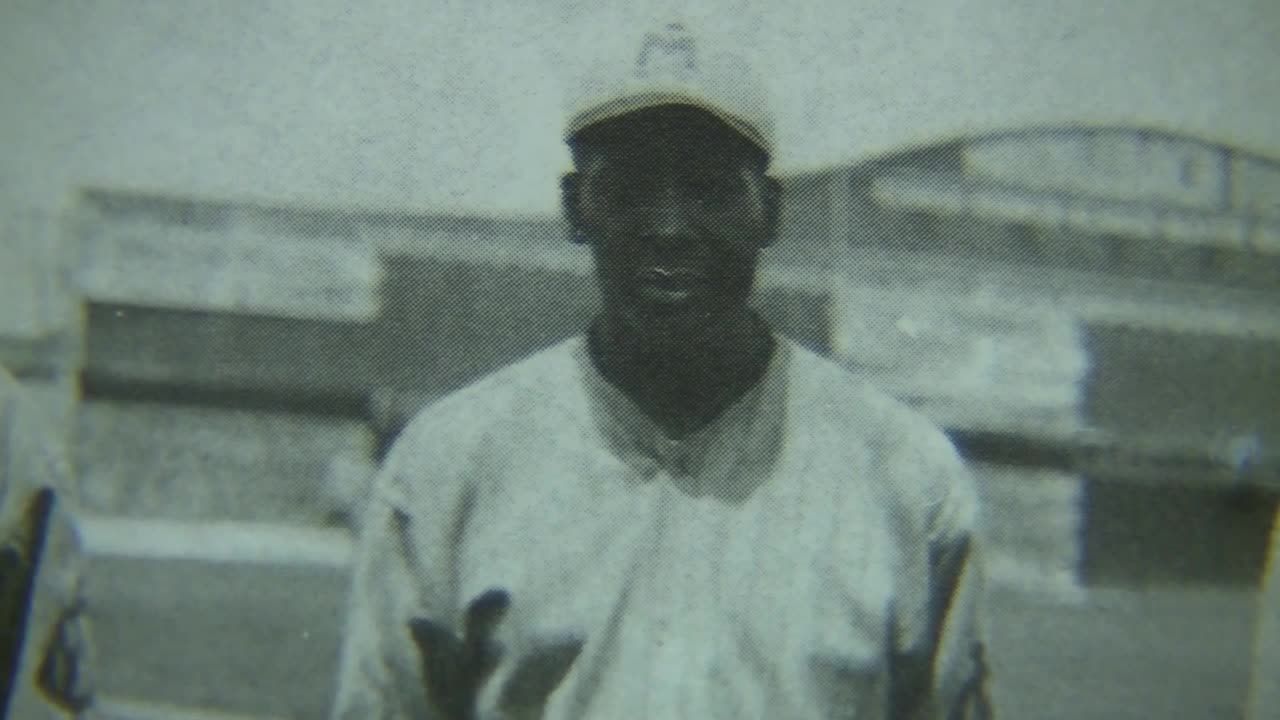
(456, 670)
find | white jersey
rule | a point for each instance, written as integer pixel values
(807, 555)
(52, 678)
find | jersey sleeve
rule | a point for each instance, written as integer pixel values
(939, 668)
(402, 570)
(1264, 690)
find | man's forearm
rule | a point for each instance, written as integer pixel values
(950, 670)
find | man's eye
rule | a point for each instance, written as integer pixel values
(628, 193)
(620, 196)
(716, 192)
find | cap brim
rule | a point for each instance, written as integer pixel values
(625, 105)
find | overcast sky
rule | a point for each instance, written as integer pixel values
(456, 105)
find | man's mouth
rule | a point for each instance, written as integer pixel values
(670, 285)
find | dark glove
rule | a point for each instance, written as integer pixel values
(455, 670)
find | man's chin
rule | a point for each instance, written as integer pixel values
(665, 328)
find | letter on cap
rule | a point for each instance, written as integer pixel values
(672, 67)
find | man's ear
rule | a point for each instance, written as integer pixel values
(571, 203)
(772, 210)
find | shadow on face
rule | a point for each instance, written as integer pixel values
(676, 206)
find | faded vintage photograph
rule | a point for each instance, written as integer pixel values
(565, 360)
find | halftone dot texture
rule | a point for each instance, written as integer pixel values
(672, 65)
(251, 359)
(969, 316)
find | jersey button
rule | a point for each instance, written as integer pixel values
(683, 464)
(647, 468)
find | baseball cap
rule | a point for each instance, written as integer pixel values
(673, 67)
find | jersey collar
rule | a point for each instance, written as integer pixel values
(728, 458)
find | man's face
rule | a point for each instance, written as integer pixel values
(676, 209)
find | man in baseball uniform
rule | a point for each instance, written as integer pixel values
(45, 658)
(1264, 688)
(679, 513)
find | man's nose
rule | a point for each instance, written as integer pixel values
(669, 221)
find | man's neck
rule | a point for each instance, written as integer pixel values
(684, 386)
